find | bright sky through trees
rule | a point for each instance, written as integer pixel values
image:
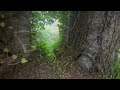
(48, 26)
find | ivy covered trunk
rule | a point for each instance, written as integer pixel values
(94, 36)
(14, 35)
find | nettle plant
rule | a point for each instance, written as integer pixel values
(10, 59)
(14, 58)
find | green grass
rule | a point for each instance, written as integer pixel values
(115, 72)
(48, 27)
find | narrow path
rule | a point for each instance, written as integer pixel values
(44, 70)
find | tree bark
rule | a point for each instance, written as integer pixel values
(94, 35)
(14, 25)
(21, 24)
(13, 33)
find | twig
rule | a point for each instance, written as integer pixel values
(25, 32)
(30, 50)
(2, 62)
(75, 21)
(72, 26)
(22, 44)
(14, 63)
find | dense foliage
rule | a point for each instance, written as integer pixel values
(48, 28)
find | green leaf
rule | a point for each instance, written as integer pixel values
(14, 56)
(2, 24)
(33, 47)
(23, 61)
(118, 49)
(5, 49)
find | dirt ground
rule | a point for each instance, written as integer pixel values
(45, 70)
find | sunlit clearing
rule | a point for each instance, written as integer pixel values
(51, 37)
(51, 33)
(46, 37)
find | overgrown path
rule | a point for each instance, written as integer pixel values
(44, 70)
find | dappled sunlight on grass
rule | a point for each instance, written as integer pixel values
(47, 25)
(47, 36)
(50, 37)
(51, 33)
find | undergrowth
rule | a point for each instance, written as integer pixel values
(115, 71)
(48, 28)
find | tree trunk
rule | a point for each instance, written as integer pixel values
(20, 22)
(94, 35)
(14, 28)
(14, 33)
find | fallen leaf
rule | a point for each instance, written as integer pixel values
(23, 60)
